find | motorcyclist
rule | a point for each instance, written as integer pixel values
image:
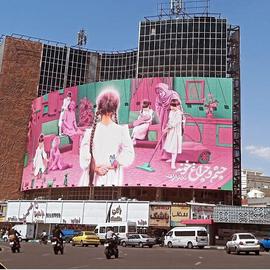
(44, 237)
(58, 234)
(13, 235)
(111, 237)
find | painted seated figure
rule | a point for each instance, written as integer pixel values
(55, 161)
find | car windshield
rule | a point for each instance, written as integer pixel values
(145, 236)
(202, 233)
(246, 236)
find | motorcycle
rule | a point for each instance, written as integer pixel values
(43, 240)
(111, 248)
(57, 246)
(15, 245)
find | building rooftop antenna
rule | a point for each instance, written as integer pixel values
(183, 8)
(81, 38)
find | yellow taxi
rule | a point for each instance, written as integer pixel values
(86, 238)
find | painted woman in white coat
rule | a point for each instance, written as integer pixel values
(141, 125)
(174, 138)
(107, 143)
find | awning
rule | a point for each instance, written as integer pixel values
(197, 221)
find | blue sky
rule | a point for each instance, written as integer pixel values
(113, 25)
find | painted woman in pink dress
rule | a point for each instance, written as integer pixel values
(174, 138)
(141, 125)
(163, 100)
(69, 126)
(40, 159)
(56, 162)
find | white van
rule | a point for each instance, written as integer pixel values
(120, 228)
(186, 237)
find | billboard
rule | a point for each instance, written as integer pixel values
(162, 132)
(78, 212)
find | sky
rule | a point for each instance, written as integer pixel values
(113, 25)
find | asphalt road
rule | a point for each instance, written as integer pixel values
(34, 255)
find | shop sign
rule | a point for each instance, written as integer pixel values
(202, 212)
(72, 212)
(159, 215)
(178, 214)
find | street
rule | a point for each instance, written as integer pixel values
(34, 255)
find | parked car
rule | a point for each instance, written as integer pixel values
(265, 243)
(137, 239)
(243, 242)
(69, 234)
(86, 238)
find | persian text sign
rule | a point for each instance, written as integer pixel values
(159, 215)
(235, 214)
(179, 213)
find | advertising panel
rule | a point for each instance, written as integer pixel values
(72, 212)
(138, 212)
(161, 132)
(54, 212)
(13, 209)
(26, 212)
(159, 215)
(94, 213)
(117, 211)
(178, 214)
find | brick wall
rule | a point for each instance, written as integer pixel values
(19, 78)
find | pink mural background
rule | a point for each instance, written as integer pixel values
(204, 134)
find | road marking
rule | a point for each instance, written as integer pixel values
(197, 263)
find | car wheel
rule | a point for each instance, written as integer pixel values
(124, 244)
(96, 245)
(247, 252)
(204, 157)
(257, 252)
(237, 251)
(150, 246)
(73, 244)
(170, 245)
(228, 250)
(189, 245)
(141, 245)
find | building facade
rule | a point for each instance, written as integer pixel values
(195, 46)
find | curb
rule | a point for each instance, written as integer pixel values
(215, 247)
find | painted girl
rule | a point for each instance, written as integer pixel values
(40, 159)
(173, 141)
(141, 125)
(56, 163)
(64, 108)
(107, 143)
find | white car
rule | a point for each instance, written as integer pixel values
(243, 242)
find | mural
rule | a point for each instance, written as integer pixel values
(163, 132)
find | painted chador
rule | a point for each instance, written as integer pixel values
(108, 143)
